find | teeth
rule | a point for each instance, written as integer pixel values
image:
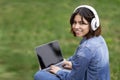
(78, 30)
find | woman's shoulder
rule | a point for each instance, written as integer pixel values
(93, 43)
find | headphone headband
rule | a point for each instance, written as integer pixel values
(97, 23)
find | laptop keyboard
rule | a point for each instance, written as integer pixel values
(59, 65)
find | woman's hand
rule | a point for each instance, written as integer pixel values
(67, 65)
(54, 69)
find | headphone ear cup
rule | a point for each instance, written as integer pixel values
(93, 24)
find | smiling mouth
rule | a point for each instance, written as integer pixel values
(77, 31)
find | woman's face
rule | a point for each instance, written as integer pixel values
(80, 27)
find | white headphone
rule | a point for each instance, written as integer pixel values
(95, 21)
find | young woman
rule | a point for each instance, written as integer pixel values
(91, 59)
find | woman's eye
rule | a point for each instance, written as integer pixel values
(82, 23)
(74, 22)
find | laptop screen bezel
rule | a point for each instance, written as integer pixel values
(42, 62)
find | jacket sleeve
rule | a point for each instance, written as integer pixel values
(80, 63)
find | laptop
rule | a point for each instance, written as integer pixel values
(49, 54)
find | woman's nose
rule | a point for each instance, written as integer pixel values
(77, 26)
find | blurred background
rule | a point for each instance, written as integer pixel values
(25, 24)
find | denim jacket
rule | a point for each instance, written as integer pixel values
(89, 62)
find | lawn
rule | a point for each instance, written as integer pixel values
(25, 24)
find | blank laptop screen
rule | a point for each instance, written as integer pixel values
(49, 54)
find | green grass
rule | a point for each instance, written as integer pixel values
(25, 24)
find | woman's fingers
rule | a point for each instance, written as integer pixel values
(67, 64)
